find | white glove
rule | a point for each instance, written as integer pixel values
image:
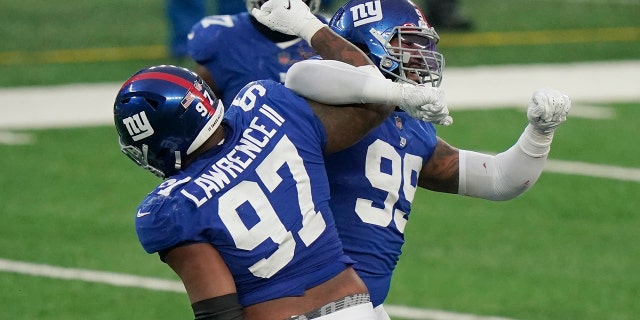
(424, 103)
(290, 17)
(548, 109)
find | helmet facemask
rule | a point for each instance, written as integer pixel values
(141, 157)
(411, 55)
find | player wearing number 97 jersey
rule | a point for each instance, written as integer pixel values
(274, 234)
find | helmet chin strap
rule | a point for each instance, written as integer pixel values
(178, 163)
(145, 155)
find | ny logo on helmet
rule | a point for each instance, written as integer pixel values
(138, 126)
(366, 13)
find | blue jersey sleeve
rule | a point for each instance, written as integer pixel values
(261, 199)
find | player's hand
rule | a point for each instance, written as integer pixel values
(425, 103)
(548, 109)
(290, 17)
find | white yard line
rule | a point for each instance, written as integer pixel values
(115, 279)
(430, 314)
(126, 280)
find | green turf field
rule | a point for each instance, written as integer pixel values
(567, 249)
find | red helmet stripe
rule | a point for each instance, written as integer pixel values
(159, 76)
(186, 84)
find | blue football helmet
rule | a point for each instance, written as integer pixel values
(314, 5)
(395, 35)
(162, 114)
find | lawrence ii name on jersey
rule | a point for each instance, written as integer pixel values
(260, 198)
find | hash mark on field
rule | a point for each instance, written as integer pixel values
(11, 138)
(591, 112)
(593, 170)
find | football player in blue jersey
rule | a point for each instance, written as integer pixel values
(374, 182)
(237, 49)
(242, 216)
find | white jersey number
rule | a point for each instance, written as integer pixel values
(400, 177)
(222, 20)
(270, 226)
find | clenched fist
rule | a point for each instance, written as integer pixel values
(424, 103)
(548, 109)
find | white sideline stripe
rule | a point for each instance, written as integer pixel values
(125, 280)
(465, 88)
(512, 85)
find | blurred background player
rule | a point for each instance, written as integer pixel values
(237, 49)
(183, 14)
(374, 182)
(446, 15)
(225, 218)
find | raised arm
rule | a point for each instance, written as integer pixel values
(346, 77)
(294, 17)
(508, 174)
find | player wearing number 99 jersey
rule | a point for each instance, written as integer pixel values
(372, 186)
(373, 182)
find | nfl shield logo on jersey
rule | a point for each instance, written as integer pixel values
(284, 58)
(398, 122)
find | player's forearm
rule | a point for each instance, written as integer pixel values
(511, 173)
(294, 17)
(507, 174)
(330, 46)
(337, 83)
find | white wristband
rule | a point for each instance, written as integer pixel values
(310, 28)
(535, 143)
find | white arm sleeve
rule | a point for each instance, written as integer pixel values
(507, 174)
(334, 82)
